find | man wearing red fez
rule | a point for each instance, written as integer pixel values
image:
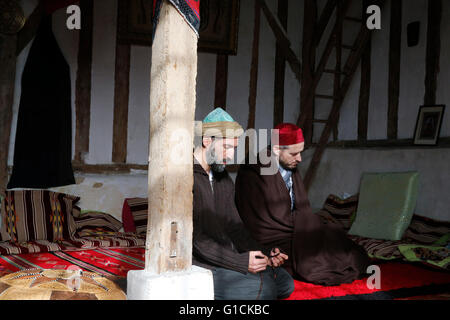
(276, 210)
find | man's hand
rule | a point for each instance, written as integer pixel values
(277, 258)
(257, 262)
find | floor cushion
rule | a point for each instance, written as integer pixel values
(386, 205)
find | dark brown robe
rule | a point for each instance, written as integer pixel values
(219, 236)
(318, 253)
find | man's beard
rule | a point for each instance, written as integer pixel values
(212, 161)
(286, 166)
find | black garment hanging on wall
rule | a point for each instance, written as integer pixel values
(43, 147)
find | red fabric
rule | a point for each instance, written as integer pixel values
(287, 134)
(195, 6)
(105, 261)
(127, 218)
(118, 261)
(53, 5)
(393, 276)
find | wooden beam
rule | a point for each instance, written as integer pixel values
(8, 47)
(254, 67)
(385, 144)
(364, 91)
(172, 109)
(395, 45)
(107, 168)
(324, 19)
(350, 68)
(30, 28)
(309, 62)
(280, 68)
(338, 66)
(282, 39)
(220, 95)
(121, 97)
(433, 50)
(83, 82)
(322, 65)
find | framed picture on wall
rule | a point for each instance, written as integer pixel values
(219, 24)
(135, 23)
(428, 125)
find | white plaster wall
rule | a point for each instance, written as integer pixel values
(378, 104)
(443, 89)
(106, 193)
(412, 80)
(341, 171)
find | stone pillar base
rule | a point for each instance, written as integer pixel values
(194, 284)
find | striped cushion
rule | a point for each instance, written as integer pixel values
(29, 215)
(341, 211)
(134, 215)
(2, 229)
(94, 220)
(426, 230)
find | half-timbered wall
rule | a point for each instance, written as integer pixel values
(340, 169)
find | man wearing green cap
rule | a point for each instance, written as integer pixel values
(220, 241)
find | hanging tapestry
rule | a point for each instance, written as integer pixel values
(43, 145)
(189, 9)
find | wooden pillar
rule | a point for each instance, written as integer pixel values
(254, 67)
(308, 70)
(364, 92)
(395, 45)
(121, 96)
(433, 50)
(8, 47)
(220, 95)
(280, 68)
(172, 111)
(83, 82)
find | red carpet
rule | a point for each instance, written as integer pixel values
(394, 276)
(398, 280)
(108, 262)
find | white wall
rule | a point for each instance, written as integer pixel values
(340, 170)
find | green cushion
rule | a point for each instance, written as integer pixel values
(435, 256)
(386, 205)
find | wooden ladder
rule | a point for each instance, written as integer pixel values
(343, 75)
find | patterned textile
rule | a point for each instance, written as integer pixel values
(381, 249)
(99, 221)
(189, 9)
(398, 280)
(433, 256)
(425, 230)
(29, 215)
(103, 261)
(135, 215)
(92, 241)
(421, 231)
(339, 210)
(58, 284)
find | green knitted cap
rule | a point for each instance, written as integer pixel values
(218, 115)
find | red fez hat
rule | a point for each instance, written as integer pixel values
(288, 134)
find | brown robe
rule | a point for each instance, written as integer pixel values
(219, 236)
(318, 253)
